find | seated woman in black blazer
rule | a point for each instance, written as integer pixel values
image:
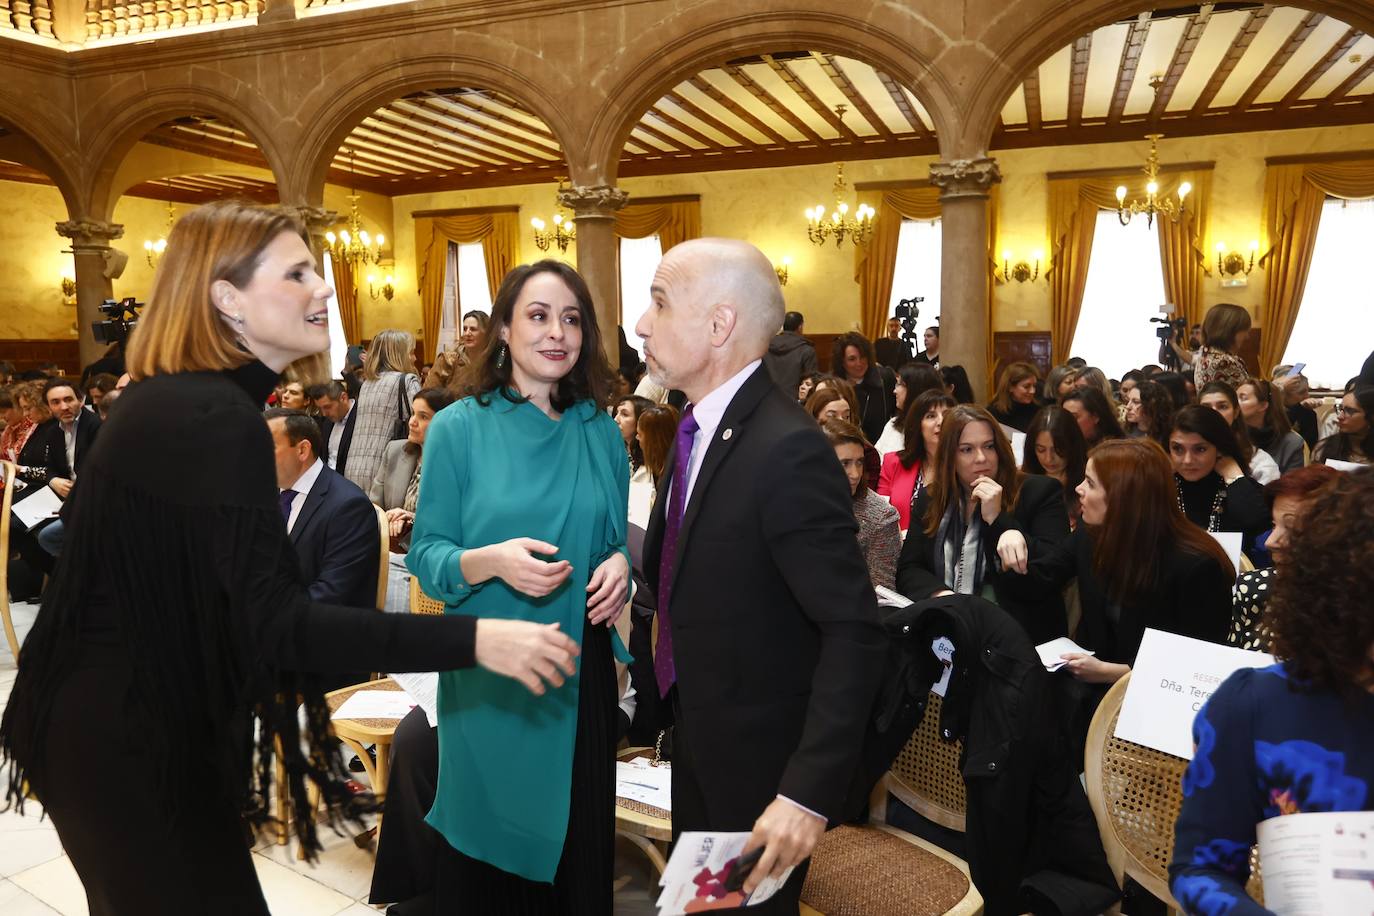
(981, 524)
(1215, 490)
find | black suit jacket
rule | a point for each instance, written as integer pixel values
(1036, 603)
(87, 428)
(776, 637)
(345, 440)
(337, 542)
(892, 353)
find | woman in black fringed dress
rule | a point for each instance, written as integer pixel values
(177, 612)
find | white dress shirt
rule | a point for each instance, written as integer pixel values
(336, 437)
(302, 487)
(69, 433)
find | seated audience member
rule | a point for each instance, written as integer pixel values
(1129, 381)
(18, 426)
(981, 525)
(331, 522)
(1289, 499)
(1093, 377)
(1057, 384)
(1180, 388)
(73, 435)
(1354, 439)
(99, 386)
(396, 489)
(1055, 448)
(1301, 416)
(790, 357)
(655, 432)
(853, 361)
(107, 402)
(1016, 403)
(913, 380)
(1267, 423)
(808, 384)
(957, 384)
(1221, 397)
(291, 396)
(893, 351)
(1296, 737)
(1139, 564)
(1095, 414)
(627, 412)
(335, 406)
(903, 475)
(33, 454)
(1215, 490)
(1149, 412)
(879, 537)
(833, 399)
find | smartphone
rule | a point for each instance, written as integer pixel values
(743, 866)
(1296, 370)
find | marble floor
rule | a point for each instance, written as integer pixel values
(36, 878)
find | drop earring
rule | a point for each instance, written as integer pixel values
(501, 353)
(238, 322)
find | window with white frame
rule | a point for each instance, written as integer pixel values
(638, 260)
(1335, 322)
(1125, 289)
(338, 343)
(465, 290)
(917, 272)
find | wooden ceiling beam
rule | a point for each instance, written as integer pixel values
(707, 118)
(856, 98)
(513, 129)
(1031, 89)
(631, 167)
(918, 127)
(474, 134)
(795, 83)
(1363, 72)
(405, 127)
(1078, 78)
(773, 104)
(1136, 33)
(704, 86)
(465, 113)
(681, 127)
(1328, 60)
(1183, 53)
(672, 143)
(1239, 45)
(1281, 57)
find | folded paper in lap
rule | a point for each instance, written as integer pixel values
(41, 506)
(694, 881)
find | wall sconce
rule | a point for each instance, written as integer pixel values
(782, 270)
(68, 288)
(1021, 271)
(1232, 267)
(387, 290)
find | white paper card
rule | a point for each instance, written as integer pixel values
(944, 651)
(41, 506)
(1018, 447)
(1346, 466)
(1230, 542)
(636, 780)
(423, 688)
(696, 874)
(1172, 677)
(888, 598)
(1318, 864)
(1050, 651)
(375, 704)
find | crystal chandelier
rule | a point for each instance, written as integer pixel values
(839, 224)
(564, 231)
(1153, 203)
(354, 244)
(153, 248)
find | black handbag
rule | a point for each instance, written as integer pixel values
(400, 429)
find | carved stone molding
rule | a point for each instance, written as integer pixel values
(965, 177)
(592, 201)
(317, 220)
(90, 234)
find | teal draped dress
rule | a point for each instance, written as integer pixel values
(492, 473)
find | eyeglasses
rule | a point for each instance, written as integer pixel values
(1343, 411)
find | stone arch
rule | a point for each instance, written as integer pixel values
(338, 108)
(1028, 32)
(112, 143)
(36, 145)
(906, 51)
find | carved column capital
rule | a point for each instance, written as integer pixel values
(594, 201)
(90, 234)
(965, 177)
(317, 220)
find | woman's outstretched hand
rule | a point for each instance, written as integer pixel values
(607, 590)
(534, 654)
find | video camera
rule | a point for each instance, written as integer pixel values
(1172, 328)
(121, 317)
(907, 312)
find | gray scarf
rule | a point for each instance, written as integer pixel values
(959, 550)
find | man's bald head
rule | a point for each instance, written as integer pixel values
(733, 273)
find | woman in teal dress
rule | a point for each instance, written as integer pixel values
(522, 515)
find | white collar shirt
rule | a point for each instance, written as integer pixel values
(69, 434)
(336, 437)
(302, 487)
(708, 414)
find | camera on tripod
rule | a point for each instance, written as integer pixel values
(907, 312)
(121, 316)
(1172, 328)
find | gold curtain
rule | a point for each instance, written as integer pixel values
(499, 234)
(673, 222)
(346, 294)
(1293, 198)
(875, 263)
(1073, 208)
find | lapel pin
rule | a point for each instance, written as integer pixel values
(727, 434)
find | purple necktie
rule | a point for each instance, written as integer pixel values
(287, 498)
(665, 672)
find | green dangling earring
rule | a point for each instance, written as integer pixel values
(501, 356)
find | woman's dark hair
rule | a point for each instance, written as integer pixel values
(8, 399)
(639, 405)
(590, 378)
(1013, 375)
(1238, 426)
(1221, 325)
(1276, 420)
(837, 433)
(1177, 386)
(436, 398)
(845, 341)
(955, 377)
(1210, 425)
(1158, 406)
(1096, 403)
(1341, 445)
(657, 427)
(1143, 520)
(1318, 610)
(1133, 375)
(918, 378)
(914, 445)
(943, 486)
(1068, 441)
(843, 391)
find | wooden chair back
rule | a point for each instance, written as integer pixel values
(384, 556)
(420, 603)
(8, 472)
(926, 776)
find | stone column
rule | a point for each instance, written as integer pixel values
(317, 222)
(964, 330)
(594, 209)
(91, 251)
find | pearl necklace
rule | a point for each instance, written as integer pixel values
(1218, 503)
